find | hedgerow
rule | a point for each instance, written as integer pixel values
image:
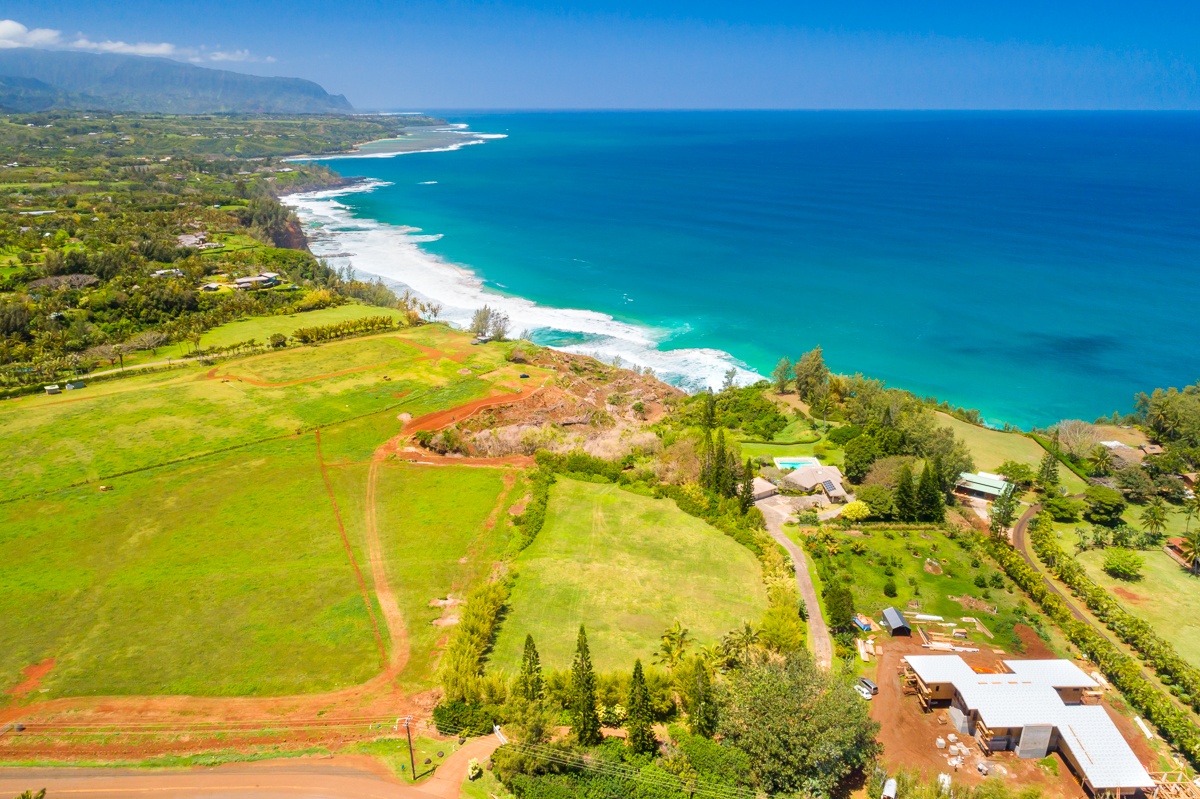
(462, 664)
(1158, 653)
(1174, 723)
(350, 327)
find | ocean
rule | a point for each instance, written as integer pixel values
(1036, 266)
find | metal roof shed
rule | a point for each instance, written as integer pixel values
(895, 622)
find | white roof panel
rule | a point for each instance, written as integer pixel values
(1027, 698)
(1056, 673)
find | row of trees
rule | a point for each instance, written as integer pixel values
(784, 726)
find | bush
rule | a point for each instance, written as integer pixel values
(1063, 509)
(808, 518)
(474, 770)
(1124, 564)
(889, 589)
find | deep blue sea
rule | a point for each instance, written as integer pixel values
(1036, 266)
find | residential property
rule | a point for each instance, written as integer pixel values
(983, 485)
(211, 287)
(763, 488)
(263, 281)
(895, 623)
(1152, 449)
(167, 273)
(1034, 708)
(827, 479)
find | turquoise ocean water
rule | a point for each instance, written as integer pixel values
(1036, 266)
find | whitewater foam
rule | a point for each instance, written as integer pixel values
(393, 253)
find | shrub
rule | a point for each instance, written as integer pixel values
(808, 518)
(1124, 564)
(889, 589)
(1104, 505)
(474, 770)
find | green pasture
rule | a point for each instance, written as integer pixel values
(261, 328)
(1167, 596)
(627, 567)
(927, 592)
(221, 576)
(431, 525)
(991, 448)
(111, 428)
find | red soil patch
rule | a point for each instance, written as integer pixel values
(1035, 647)
(33, 677)
(1125, 593)
(438, 419)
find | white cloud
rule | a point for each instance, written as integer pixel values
(14, 34)
(109, 46)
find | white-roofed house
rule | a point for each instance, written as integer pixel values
(1033, 709)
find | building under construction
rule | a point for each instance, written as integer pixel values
(1037, 707)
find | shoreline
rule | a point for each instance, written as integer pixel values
(393, 253)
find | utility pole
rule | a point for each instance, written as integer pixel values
(412, 758)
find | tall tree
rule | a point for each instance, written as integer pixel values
(585, 722)
(930, 502)
(804, 729)
(529, 679)
(708, 413)
(1047, 475)
(698, 699)
(721, 479)
(782, 375)
(811, 373)
(905, 498)
(672, 645)
(1190, 547)
(746, 494)
(640, 735)
(1154, 517)
(1102, 461)
(1004, 512)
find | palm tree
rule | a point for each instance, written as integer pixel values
(1190, 547)
(672, 646)
(1102, 461)
(1154, 517)
(1192, 508)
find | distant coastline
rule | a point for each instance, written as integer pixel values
(1029, 368)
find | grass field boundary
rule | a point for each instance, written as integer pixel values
(362, 583)
(221, 450)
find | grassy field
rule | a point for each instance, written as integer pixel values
(991, 448)
(920, 590)
(122, 425)
(221, 576)
(441, 529)
(627, 567)
(826, 452)
(1166, 596)
(259, 328)
(214, 565)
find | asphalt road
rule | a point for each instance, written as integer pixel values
(776, 511)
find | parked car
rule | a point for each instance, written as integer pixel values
(869, 685)
(863, 692)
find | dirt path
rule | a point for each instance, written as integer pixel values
(438, 419)
(362, 584)
(776, 512)
(392, 616)
(448, 779)
(340, 777)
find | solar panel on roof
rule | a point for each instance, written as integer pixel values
(828, 484)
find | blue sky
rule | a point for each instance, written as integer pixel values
(665, 54)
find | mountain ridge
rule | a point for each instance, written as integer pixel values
(32, 79)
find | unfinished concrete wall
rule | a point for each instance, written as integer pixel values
(1035, 741)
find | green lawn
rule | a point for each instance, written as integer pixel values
(627, 567)
(828, 453)
(220, 576)
(1166, 596)
(260, 328)
(113, 427)
(932, 592)
(431, 524)
(991, 448)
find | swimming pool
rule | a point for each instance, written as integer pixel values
(795, 463)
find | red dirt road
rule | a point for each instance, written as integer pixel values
(330, 778)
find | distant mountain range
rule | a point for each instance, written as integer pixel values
(41, 80)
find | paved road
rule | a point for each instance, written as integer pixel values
(776, 511)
